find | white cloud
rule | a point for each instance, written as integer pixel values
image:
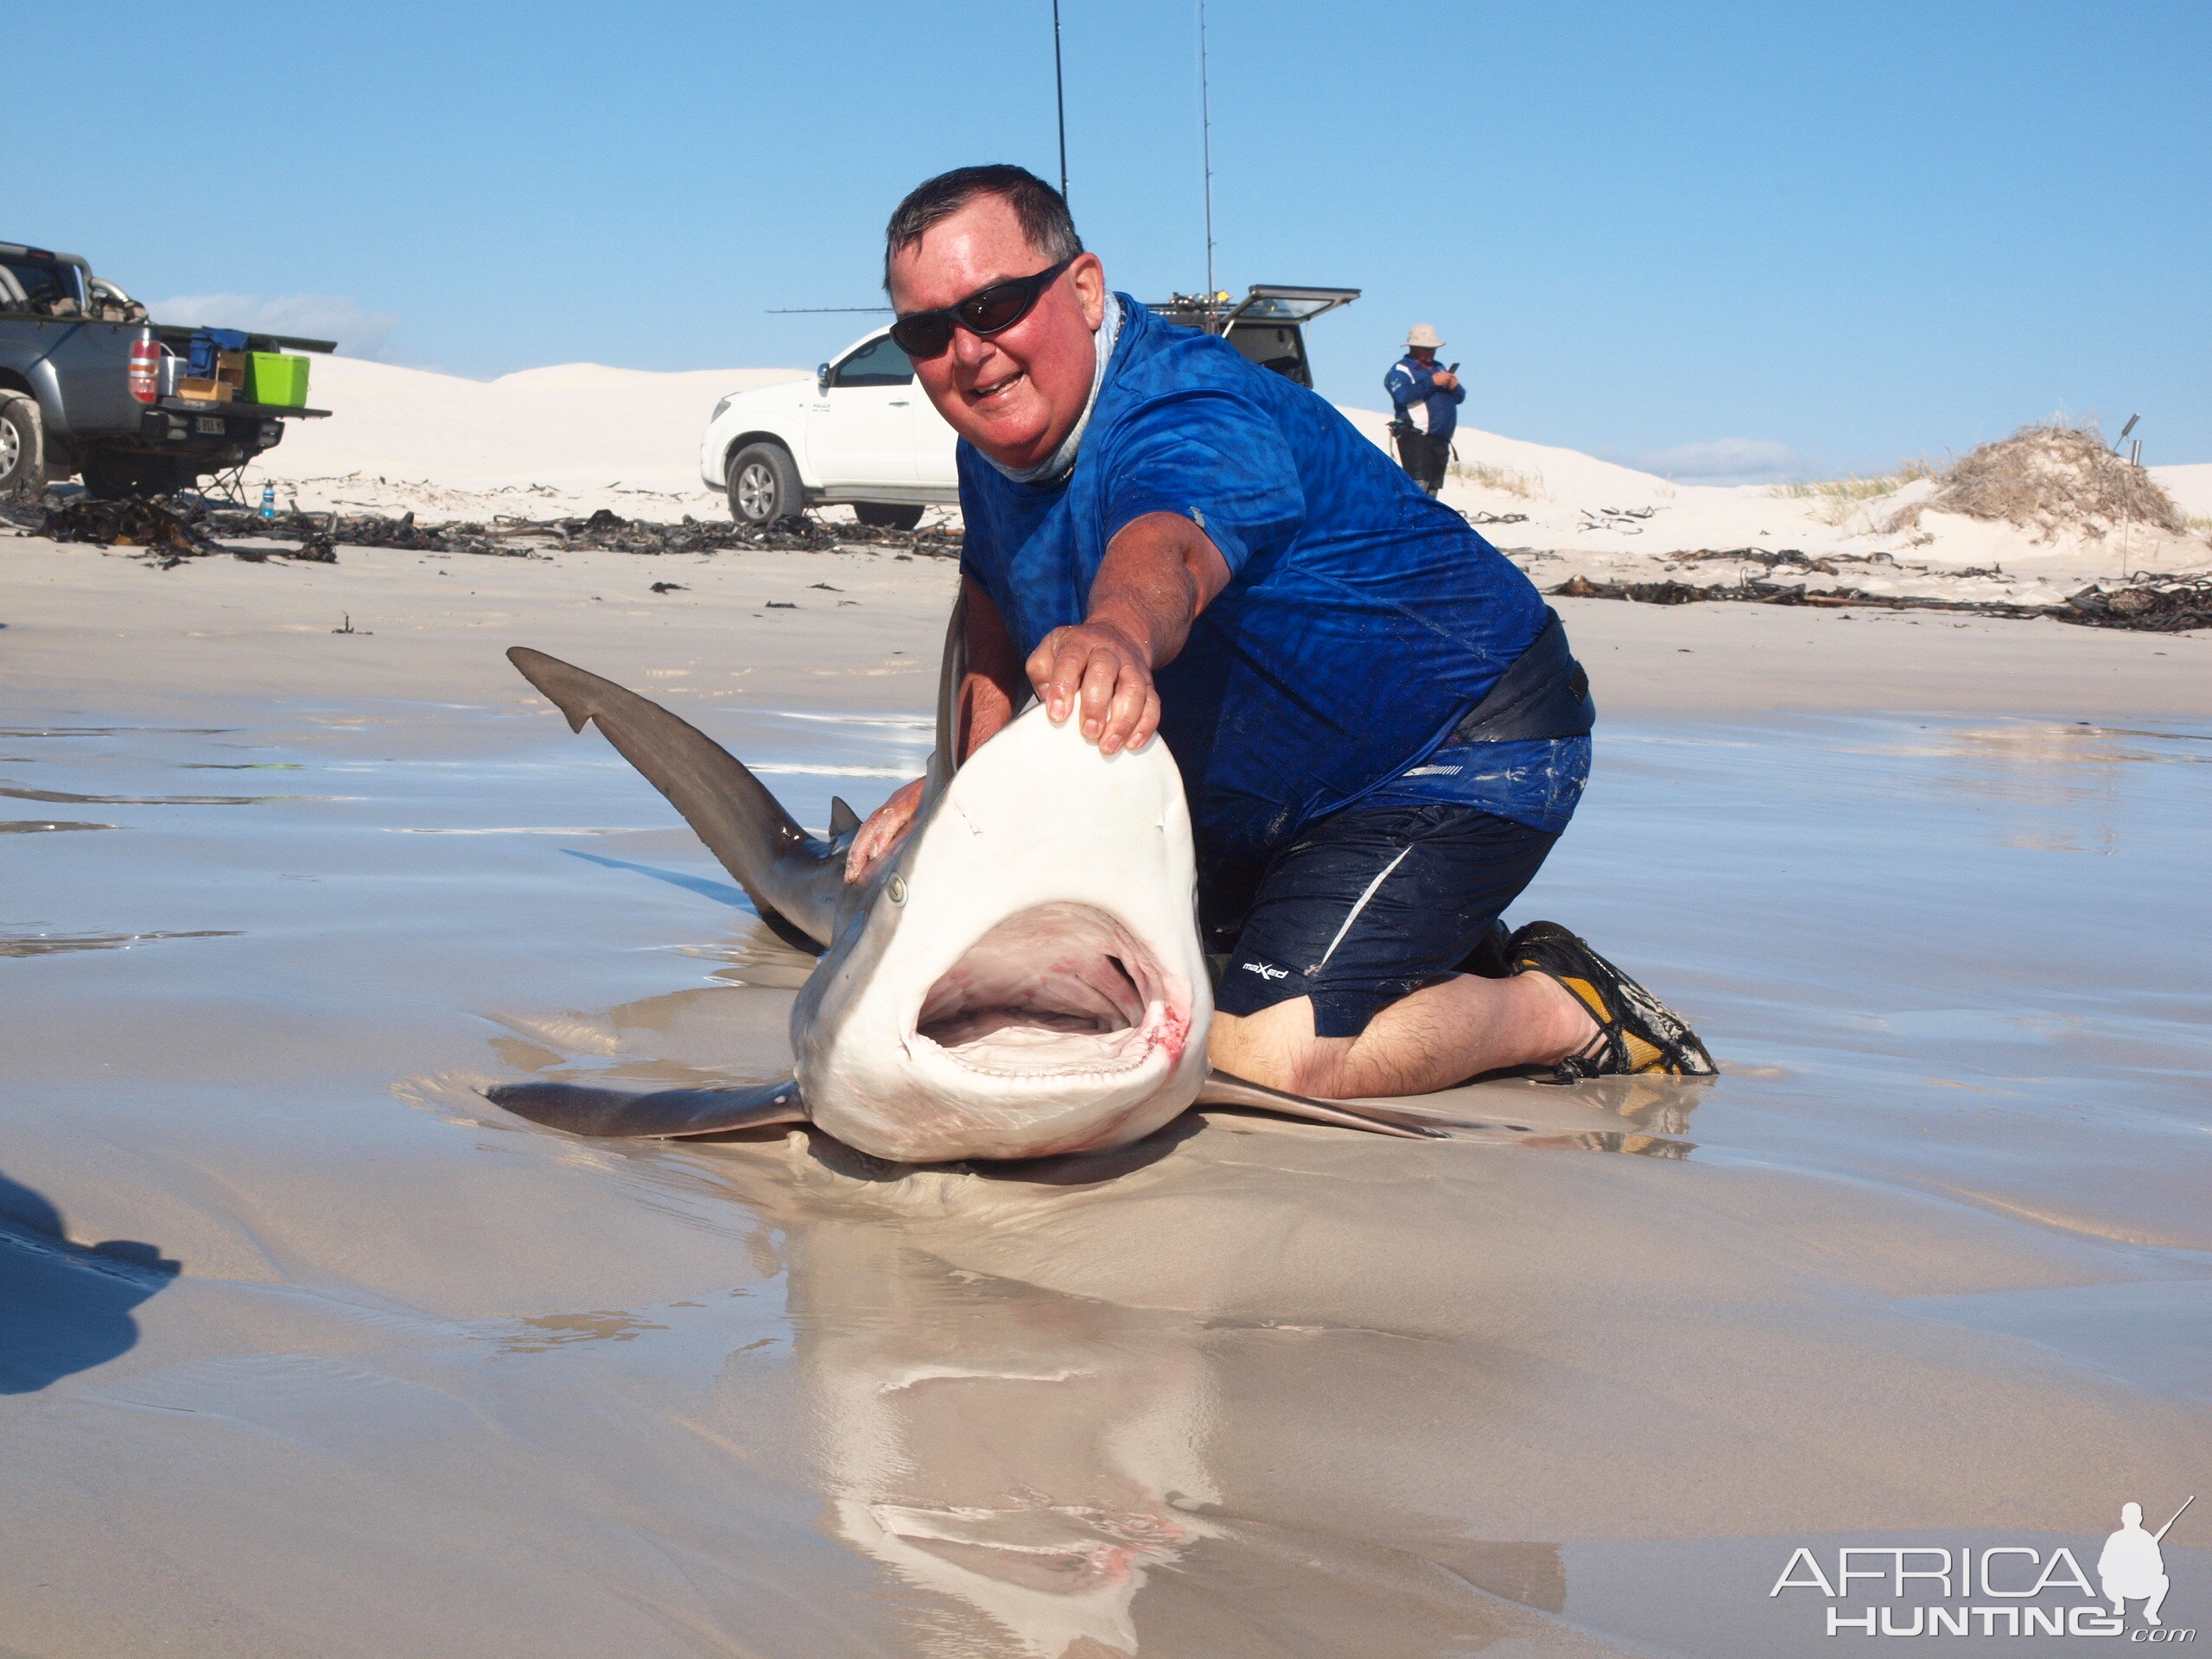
(1724, 461)
(360, 332)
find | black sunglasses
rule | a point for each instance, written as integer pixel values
(987, 311)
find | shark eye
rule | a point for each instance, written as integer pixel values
(896, 889)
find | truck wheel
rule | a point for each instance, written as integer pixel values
(764, 485)
(23, 447)
(883, 515)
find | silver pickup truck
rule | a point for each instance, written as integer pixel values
(88, 386)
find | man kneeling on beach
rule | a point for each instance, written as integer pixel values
(1379, 726)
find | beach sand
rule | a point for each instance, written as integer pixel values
(312, 1351)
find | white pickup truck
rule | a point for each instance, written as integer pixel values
(864, 433)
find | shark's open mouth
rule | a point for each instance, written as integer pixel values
(1056, 989)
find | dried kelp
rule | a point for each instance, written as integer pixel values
(2151, 605)
(172, 533)
(603, 530)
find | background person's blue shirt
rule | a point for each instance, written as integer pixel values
(1361, 621)
(1412, 386)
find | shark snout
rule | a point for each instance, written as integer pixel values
(1035, 985)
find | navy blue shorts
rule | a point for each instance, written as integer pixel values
(1368, 905)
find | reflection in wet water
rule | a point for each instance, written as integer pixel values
(1035, 1456)
(64, 797)
(1037, 1464)
(1636, 1146)
(2057, 787)
(2041, 786)
(110, 731)
(40, 826)
(47, 945)
(553, 1331)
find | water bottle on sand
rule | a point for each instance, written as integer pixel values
(269, 500)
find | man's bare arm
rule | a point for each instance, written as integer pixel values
(1160, 572)
(994, 682)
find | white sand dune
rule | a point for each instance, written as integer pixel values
(575, 431)
(2190, 487)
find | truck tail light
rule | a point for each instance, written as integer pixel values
(146, 371)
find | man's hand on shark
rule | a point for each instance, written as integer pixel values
(1106, 672)
(1160, 572)
(886, 828)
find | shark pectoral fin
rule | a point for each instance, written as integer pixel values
(1220, 1089)
(841, 817)
(581, 1109)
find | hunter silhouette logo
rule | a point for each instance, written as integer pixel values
(2010, 1590)
(2133, 1565)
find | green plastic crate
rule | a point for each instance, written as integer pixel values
(276, 378)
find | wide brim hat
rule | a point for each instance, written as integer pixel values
(1422, 334)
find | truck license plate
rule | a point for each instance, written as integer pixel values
(212, 425)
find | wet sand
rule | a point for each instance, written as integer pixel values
(311, 1351)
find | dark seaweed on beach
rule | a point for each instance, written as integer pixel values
(174, 532)
(2148, 604)
(603, 530)
(2154, 605)
(183, 527)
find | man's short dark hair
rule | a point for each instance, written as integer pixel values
(1041, 209)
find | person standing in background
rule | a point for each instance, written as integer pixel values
(1426, 401)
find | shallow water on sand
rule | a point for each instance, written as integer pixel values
(308, 1349)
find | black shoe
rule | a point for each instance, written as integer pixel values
(1636, 1032)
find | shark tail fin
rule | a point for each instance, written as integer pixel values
(792, 879)
(665, 1113)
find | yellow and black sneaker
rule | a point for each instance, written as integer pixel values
(1636, 1032)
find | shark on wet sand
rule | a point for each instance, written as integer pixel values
(1022, 976)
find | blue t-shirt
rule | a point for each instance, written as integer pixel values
(1361, 619)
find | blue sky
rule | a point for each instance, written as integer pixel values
(1720, 240)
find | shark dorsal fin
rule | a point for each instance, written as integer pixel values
(842, 818)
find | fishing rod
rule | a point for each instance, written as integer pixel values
(2159, 1536)
(1061, 100)
(1205, 148)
